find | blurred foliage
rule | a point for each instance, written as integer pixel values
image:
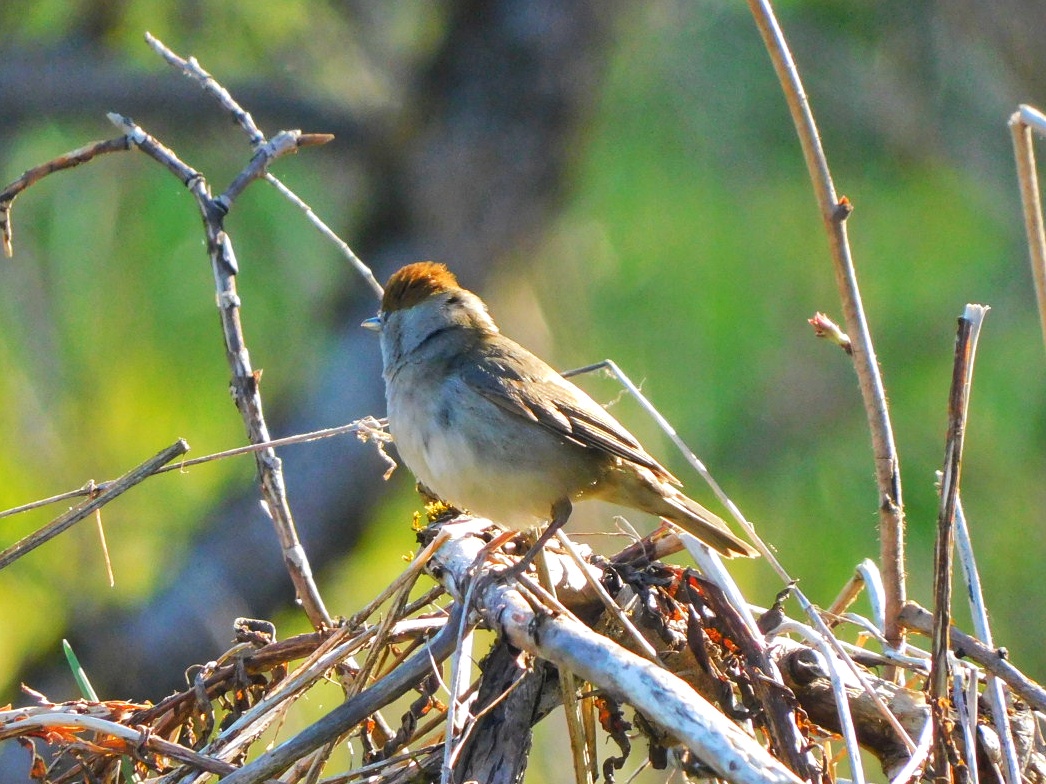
(312, 44)
(689, 250)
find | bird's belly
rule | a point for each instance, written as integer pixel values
(513, 478)
(514, 490)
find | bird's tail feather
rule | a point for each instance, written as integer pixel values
(641, 489)
(706, 526)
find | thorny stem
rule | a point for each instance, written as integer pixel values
(834, 213)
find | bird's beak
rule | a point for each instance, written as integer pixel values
(373, 324)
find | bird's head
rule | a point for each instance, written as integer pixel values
(422, 300)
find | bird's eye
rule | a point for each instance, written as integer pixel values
(453, 299)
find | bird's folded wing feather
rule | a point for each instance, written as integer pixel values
(560, 407)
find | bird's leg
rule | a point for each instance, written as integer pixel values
(560, 514)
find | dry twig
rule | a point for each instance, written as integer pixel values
(97, 501)
(368, 425)
(192, 69)
(834, 212)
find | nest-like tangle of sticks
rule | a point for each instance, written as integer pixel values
(777, 687)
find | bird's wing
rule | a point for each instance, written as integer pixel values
(546, 398)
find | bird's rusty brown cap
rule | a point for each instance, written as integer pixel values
(415, 283)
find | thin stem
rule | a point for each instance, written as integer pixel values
(994, 660)
(349, 713)
(369, 426)
(329, 233)
(982, 629)
(245, 384)
(32, 176)
(811, 611)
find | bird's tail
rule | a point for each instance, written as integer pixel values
(706, 526)
(641, 489)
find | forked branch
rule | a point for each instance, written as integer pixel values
(245, 380)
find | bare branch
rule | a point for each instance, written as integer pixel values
(74, 158)
(979, 613)
(327, 232)
(367, 428)
(245, 385)
(351, 712)
(192, 69)
(281, 144)
(659, 694)
(70, 720)
(834, 212)
(712, 564)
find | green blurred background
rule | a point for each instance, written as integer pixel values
(661, 216)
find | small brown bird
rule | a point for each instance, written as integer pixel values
(488, 426)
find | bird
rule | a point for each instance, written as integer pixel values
(490, 428)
